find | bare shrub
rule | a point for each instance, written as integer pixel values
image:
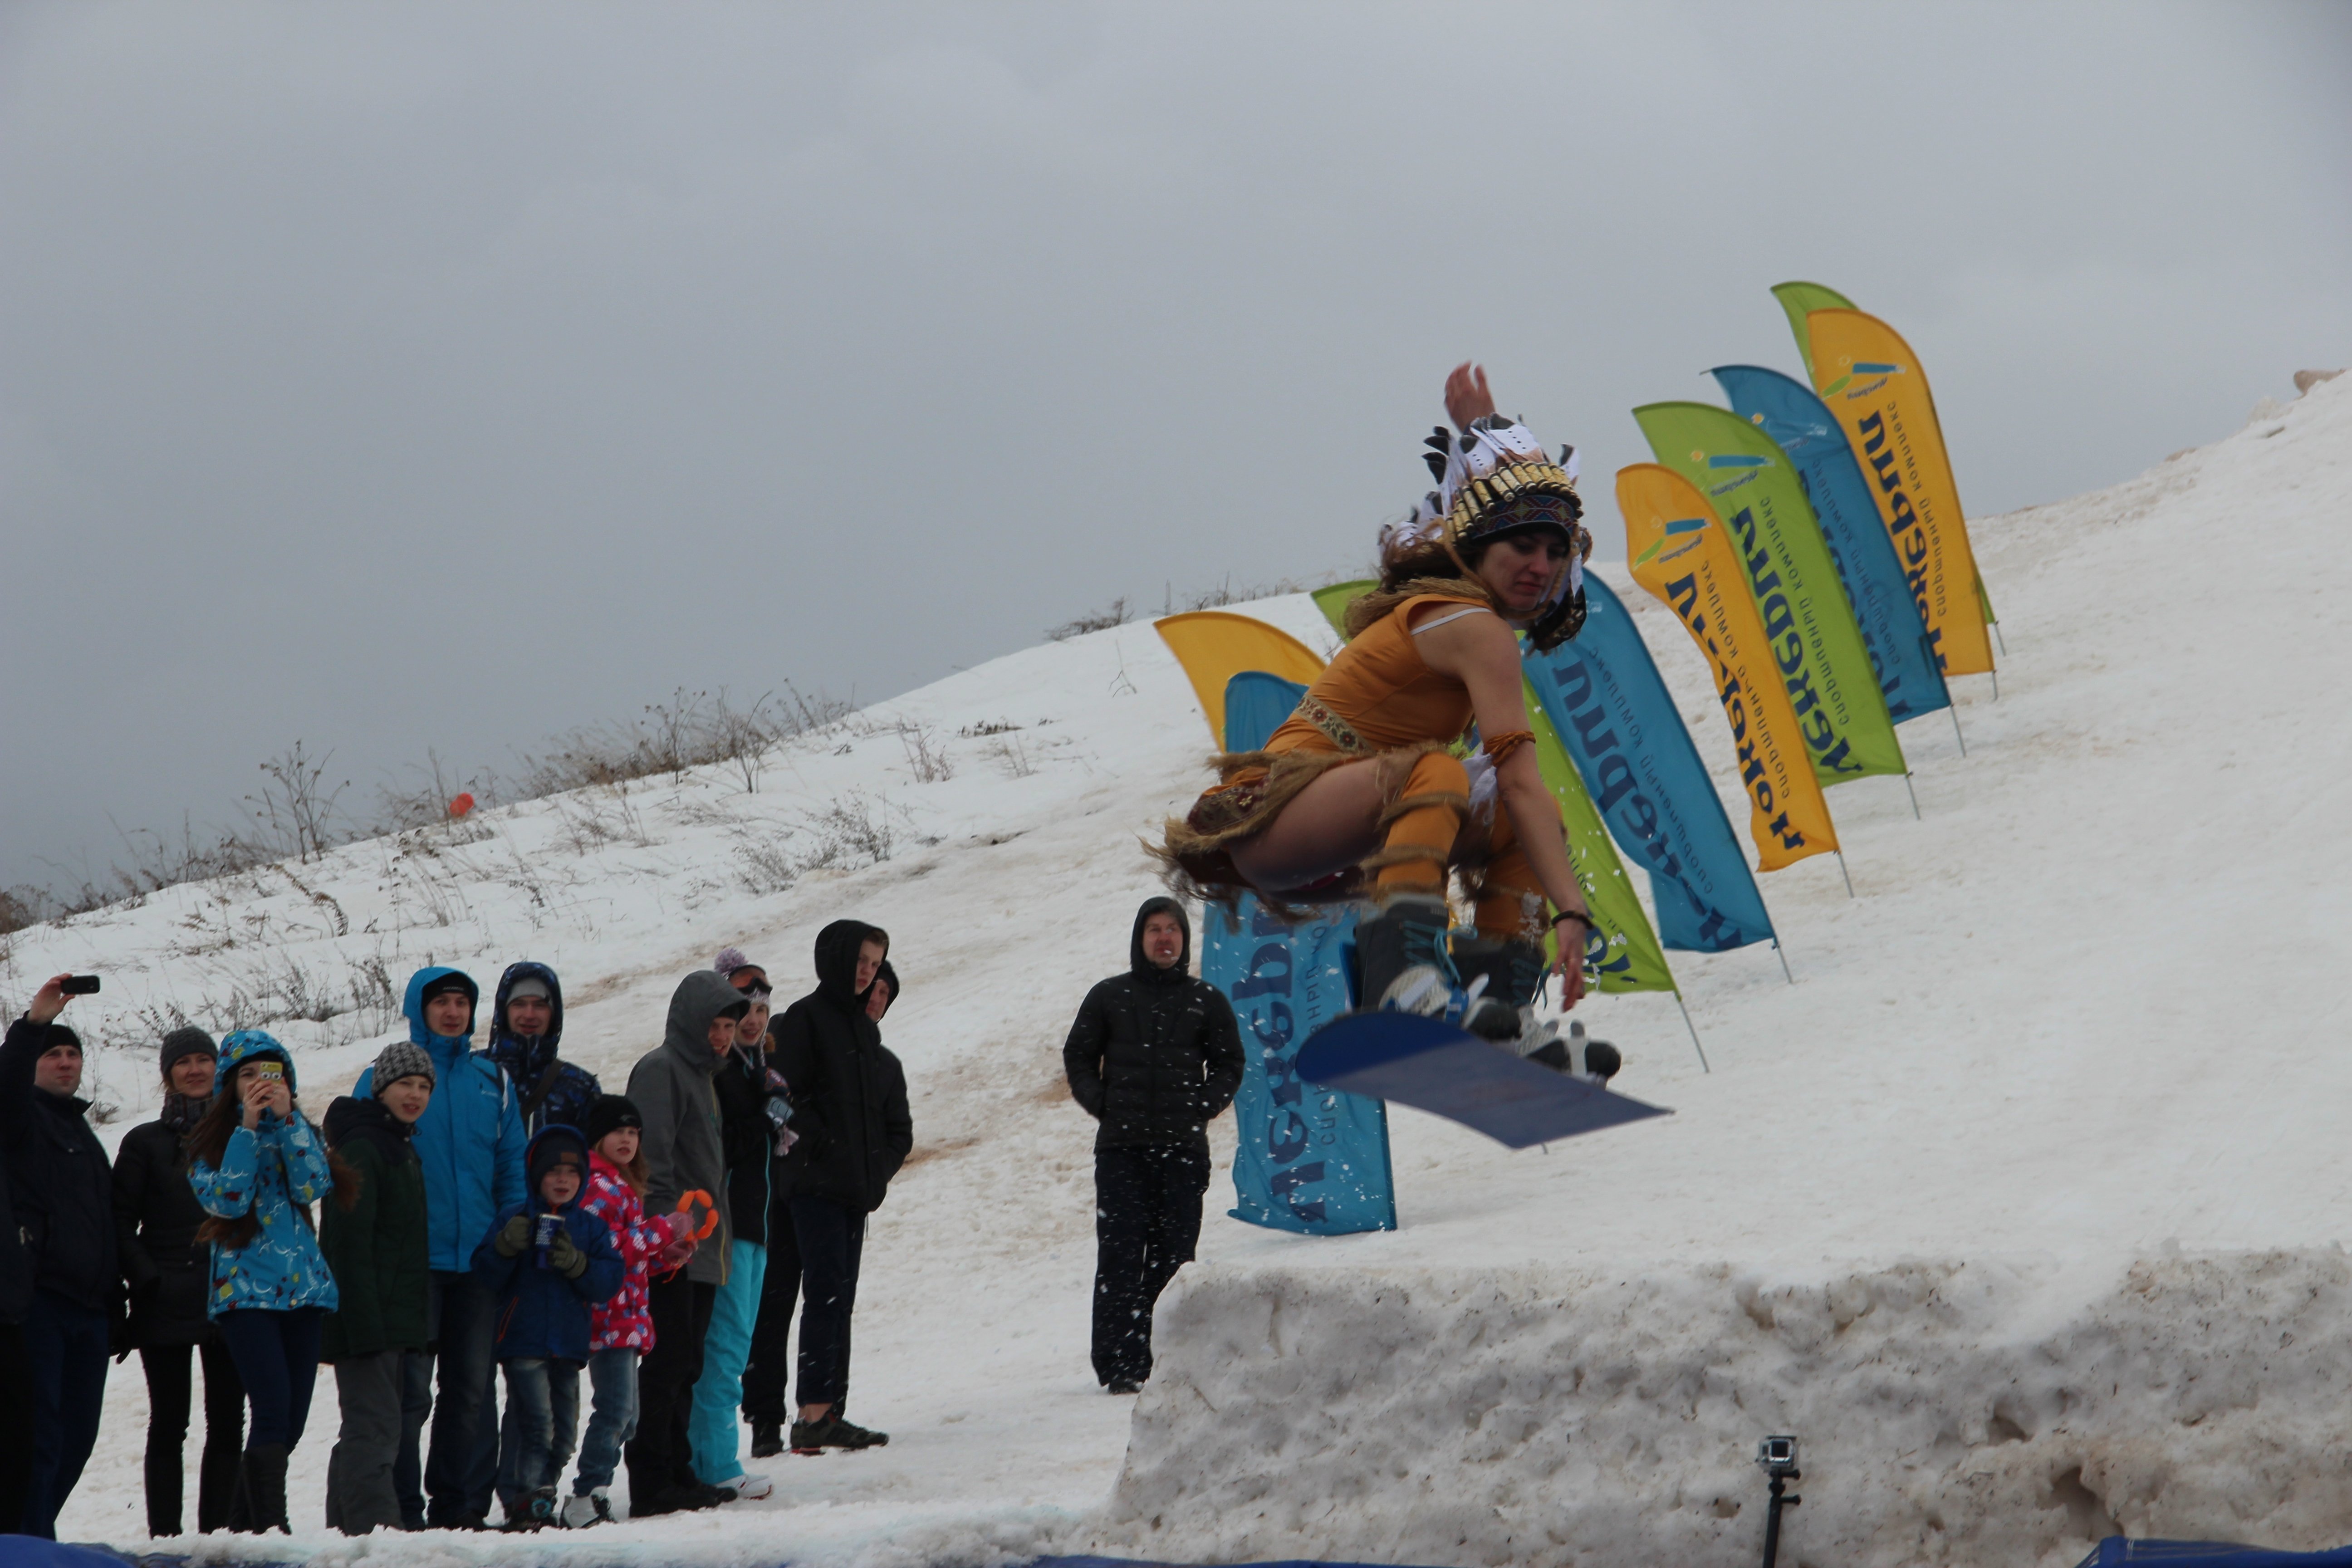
(296, 808)
(925, 754)
(1227, 592)
(1013, 757)
(853, 831)
(765, 863)
(1118, 615)
(987, 727)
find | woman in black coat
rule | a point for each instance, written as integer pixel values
(155, 1220)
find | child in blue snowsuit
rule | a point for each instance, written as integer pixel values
(545, 1294)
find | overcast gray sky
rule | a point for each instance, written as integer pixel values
(403, 376)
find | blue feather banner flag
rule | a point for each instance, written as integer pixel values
(1604, 695)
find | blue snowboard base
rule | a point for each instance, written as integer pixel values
(1432, 1066)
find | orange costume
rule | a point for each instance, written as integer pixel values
(1377, 704)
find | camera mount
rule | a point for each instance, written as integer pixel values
(1777, 1457)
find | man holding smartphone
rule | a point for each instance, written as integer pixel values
(61, 1192)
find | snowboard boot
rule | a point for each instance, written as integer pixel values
(1594, 1061)
(582, 1510)
(1401, 958)
(265, 1488)
(1504, 1013)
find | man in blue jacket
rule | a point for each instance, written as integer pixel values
(470, 1142)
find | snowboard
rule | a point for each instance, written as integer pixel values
(1432, 1066)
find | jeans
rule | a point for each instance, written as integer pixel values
(611, 1416)
(464, 1464)
(769, 1367)
(712, 1429)
(1147, 1220)
(361, 1495)
(832, 1238)
(661, 1455)
(544, 1393)
(278, 1356)
(170, 1392)
(64, 1351)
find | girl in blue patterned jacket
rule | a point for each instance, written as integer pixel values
(257, 1165)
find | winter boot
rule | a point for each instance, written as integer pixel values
(587, 1508)
(265, 1488)
(1594, 1061)
(1503, 1011)
(1401, 958)
(164, 1484)
(767, 1439)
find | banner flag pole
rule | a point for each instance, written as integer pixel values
(1954, 709)
(1843, 872)
(1915, 797)
(1783, 957)
(1694, 1029)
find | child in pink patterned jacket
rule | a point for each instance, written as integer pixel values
(621, 1330)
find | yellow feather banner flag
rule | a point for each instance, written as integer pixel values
(1679, 552)
(1873, 387)
(1213, 646)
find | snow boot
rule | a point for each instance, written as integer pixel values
(1594, 1061)
(767, 1439)
(582, 1510)
(265, 1488)
(1504, 1011)
(1401, 958)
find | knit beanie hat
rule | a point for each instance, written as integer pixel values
(398, 1060)
(556, 1145)
(462, 984)
(187, 1040)
(529, 985)
(609, 1113)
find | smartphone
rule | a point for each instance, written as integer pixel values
(268, 1066)
(80, 985)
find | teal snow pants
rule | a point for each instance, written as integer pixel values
(712, 1429)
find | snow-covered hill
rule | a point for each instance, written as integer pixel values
(2020, 1206)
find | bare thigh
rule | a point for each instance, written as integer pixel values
(1328, 826)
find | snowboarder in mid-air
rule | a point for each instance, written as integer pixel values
(1357, 796)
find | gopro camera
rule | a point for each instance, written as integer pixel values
(1778, 1456)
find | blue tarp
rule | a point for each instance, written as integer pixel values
(2116, 1550)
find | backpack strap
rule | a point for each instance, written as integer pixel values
(541, 1090)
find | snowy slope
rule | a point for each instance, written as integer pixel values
(2050, 1102)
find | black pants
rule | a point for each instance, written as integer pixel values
(16, 1425)
(765, 1375)
(65, 1351)
(170, 1392)
(1147, 1219)
(832, 1238)
(661, 1455)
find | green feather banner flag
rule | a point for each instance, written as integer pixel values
(1815, 639)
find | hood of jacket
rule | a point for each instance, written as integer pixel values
(539, 1153)
(369, 1119)
(446, 1050)
(1142, 967)
(837, 960)
(526, 1060)
(700, 997)
(245, 1045)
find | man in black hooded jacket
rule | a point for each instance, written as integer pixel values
(849, 1111)
(1154, 1055)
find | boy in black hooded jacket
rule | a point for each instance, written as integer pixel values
(849, 1109)
(1153, 1054)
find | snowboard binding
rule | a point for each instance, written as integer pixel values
(1487, 988)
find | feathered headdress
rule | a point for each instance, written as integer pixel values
(1495, 480)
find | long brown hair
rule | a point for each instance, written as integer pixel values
(636, 1173)
(208, 1142)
